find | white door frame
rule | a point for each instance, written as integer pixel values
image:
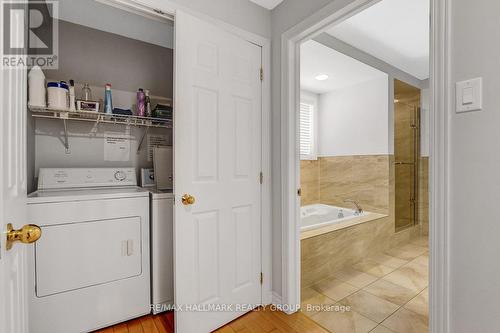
(441, 103)
(169, 8)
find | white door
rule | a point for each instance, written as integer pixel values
(218, 162)
(13, 304)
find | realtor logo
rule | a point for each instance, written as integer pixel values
(30, 34)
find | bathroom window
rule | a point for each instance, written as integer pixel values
(307, 135)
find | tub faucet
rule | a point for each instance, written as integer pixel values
(359, 210)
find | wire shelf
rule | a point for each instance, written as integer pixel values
(99, 117)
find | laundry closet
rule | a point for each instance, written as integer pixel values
(147, 170)
(100, 170)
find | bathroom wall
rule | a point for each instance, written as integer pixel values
(362, 178)
(310, 182)
(354, 120)
(353, 148)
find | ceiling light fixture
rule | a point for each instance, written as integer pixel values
(322, 77)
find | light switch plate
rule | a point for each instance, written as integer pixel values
(469, 95)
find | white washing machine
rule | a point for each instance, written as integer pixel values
(91, 267)
(162, 250)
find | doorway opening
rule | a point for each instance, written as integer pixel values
(363, 226)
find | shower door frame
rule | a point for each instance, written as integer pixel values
(417, 135)
(441, 105)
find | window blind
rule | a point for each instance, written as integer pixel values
(306, 129)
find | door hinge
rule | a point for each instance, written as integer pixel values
(262, 74)
(261, 278)
(299, 192)
(261, 178)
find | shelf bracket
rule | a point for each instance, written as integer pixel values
(142, 140)
(66, 141)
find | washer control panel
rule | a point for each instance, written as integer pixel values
(53, 178)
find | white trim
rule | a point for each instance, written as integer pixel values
(290, 92)
(441, 105)
(276, 299)
(170, 7)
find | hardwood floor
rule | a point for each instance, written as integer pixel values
(258, 321)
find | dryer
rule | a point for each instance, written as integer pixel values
(91, 267)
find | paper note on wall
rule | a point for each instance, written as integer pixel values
(155, 140)
(116, 147)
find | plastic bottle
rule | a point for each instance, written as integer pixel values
(141, 100)
(108, 101)
(149, 112)
(36, 84)
(86, 93)
(72, 101)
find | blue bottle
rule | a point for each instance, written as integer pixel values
(108, 101)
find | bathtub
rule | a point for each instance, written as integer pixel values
(319, 215)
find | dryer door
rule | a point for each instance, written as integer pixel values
(80, 255)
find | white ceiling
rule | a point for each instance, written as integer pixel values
(269, 4)
(395, 31)
(343, 71)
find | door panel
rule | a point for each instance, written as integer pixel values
(218, 161)
(13, 302)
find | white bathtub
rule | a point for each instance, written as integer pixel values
(319, 215)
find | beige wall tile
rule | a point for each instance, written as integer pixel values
(309, 178)
(361, 178)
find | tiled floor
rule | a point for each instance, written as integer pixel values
(385, 293)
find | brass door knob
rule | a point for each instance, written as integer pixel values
(188, 199)
(28, 234)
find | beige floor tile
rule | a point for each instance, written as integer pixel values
(388, 260)
(344, 322)
(422, 241)
(311, 299)
(370, 306)
(407, 252)
(381, 329)
(408, 277)
(390, 292)
(422, 260)
(419, 304)
(355, 277)
(405, 321)
(373, 268)
(334, 288)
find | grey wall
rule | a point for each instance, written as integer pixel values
(98, 57)
(240, 13)
(474, 149)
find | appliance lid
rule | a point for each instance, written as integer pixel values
(74, 178)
